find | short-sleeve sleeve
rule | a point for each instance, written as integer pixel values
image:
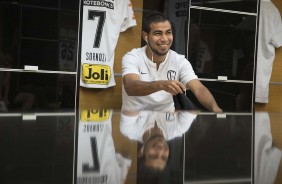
(130, 64)
(129, 17)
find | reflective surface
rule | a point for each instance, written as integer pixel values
(39, 33)
(36, 149)
(230, 96)
(110, 146)
(241, 5)
(219, 150)
(36, 92)
(222, 44)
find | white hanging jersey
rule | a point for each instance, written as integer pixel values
(269, 38)
(102, 22)
(97, 160)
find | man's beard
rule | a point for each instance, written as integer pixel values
(155, 51)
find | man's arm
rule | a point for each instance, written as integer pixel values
(135, 87)
(203, 95)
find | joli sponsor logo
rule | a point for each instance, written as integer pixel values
(96, 74)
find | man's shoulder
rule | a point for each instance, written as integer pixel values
(135, 51)
(135, 55)
(176, 57)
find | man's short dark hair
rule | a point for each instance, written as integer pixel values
(152, 17)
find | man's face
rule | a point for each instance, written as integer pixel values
(160, 38)
(156, 153)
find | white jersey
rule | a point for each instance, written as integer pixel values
(97, 160)
(172, 124)
(269, 38)
(267, 157)
(174, 67)
(103, 20)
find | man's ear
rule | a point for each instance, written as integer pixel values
(145, 36)
(140, 152)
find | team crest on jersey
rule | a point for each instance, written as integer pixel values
(94, 115)
(171, 74)
(96, 74)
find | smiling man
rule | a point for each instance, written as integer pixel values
(153, 73)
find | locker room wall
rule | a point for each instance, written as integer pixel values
(275, 86)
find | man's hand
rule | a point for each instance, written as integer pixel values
(172, 86)
(203, 95)
(216, 109)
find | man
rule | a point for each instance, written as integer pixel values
(153, 73)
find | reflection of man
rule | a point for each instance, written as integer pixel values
(97, 159)
(153, 129)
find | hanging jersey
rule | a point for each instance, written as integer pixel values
(97, 160)
(177, 12)
(269, 38)
(102, 22)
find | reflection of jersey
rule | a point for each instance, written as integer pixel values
(97, 161)
(203, 56)
(172, 124)
(270, 37)
(68, 42)
(177, 12)
(68, 47)
(267, 157)
(101, 25)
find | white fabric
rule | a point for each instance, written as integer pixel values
(172, 124)
(95, 140)
(269, 38)
(267, 157)
(203, 56)
(3, 107)
(175, 67)
(114, 17)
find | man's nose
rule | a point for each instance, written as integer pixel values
(164, 37)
